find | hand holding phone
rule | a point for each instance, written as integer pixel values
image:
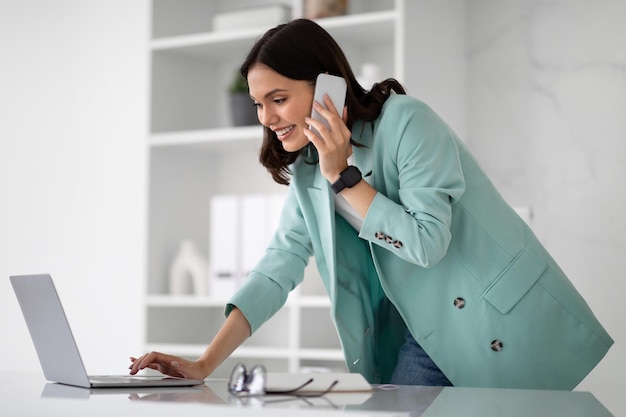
(335, 87)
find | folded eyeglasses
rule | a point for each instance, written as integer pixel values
(254, 383)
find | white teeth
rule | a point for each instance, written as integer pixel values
(284, 131)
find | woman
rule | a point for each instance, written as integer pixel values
(433, 278)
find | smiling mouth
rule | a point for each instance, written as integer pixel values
(283, 132)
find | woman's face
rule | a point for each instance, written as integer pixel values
(282, 104)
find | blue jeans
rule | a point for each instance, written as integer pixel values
(415, 367)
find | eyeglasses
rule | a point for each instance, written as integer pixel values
(254, 383)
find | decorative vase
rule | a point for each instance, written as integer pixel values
(189, 271)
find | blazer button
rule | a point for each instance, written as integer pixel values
(380, 235)
(496, 345)
(388, 239)
(397, 244)
(459, 302)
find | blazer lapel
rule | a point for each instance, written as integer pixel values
(323, 207)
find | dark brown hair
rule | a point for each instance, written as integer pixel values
(301, 50)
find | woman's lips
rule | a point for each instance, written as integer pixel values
(283, 133)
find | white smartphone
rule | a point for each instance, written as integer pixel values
(335, 87)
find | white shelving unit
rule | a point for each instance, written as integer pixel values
(195, 153)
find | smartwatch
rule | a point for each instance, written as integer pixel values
(348, 178)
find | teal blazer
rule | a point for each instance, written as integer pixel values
(439, 252)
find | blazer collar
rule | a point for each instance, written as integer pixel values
(363, 134)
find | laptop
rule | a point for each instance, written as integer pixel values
(55, 345)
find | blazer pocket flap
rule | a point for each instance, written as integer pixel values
(514, 282)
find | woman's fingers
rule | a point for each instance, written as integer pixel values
(336, 121)
(329, 113)
(336, 134)
(333, 142)
(165, 364)
(330, 105)
(148, 360)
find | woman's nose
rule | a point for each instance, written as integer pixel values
(267, 117)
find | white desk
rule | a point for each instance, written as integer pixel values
(30, 395)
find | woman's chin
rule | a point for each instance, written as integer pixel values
(294, 145)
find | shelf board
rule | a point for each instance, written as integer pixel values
(185, 301)
(217, 38)
(321, 354)
(314, 301)
(262, 352)
(209, 46)
(194, 350)
(175, 301)
(362, 28)
(189, 350)
(211, 139)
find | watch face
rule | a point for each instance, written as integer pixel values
(351, 176)
(348, 178)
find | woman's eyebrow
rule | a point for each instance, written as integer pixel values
(271, 93)
(274, 91)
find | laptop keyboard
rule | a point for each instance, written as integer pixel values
(123, 378)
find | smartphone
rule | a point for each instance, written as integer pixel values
(335, 87)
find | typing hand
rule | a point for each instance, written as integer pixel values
(167, 365)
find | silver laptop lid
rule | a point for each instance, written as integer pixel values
(49, 329)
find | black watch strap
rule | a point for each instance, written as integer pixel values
(348, 178)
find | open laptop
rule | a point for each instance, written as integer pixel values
(55, 345)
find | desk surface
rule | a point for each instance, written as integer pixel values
(29, 395)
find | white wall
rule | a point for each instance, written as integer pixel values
(547, 119)
(73, 83)
(438, 74)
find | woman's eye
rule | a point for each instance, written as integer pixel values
(279, 100)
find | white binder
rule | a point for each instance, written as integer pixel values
(223, 246)
(240, 230)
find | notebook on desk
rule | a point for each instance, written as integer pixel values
(55, 345)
